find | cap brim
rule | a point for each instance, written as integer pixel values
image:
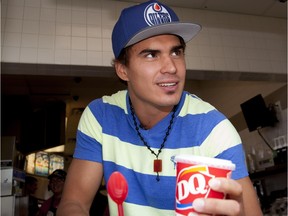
(185, 30)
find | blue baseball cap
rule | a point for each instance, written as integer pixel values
(148, 19)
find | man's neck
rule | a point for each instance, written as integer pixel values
(150, 116)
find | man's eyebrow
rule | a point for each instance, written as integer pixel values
(178, 47)
(149, 51)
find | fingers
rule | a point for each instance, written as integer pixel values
(226, 186)
(217, 206)
(232, 206)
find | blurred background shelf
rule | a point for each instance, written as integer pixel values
(280, 168)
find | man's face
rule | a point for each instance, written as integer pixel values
(56, 185)
(156, 71)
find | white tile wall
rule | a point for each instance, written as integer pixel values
(33, 3)
(79, 32)
(28, 55)
(107, 58)
(3, 17)
(220, 63)
(94, 31)
(63, 16)
(79, 17)
(94, 58)
(45, 56)
(78, 57)
(47, 28)
(107, 46)
(48, 14)
(79, 43)
(94, 17)
(207, 63)
(81, 6)
(64, 4)
(63, 42)
(29, 40)
(260, 65)
(278, 68)
(46, 42)
(62, 57)
(48, 4)
(31, 13)
(94, 44)
(194, 62)
(63, 29)
(10, 54)
(15, 12)
(16, 2)
(106, 32)
(232, 64)
(12, 39)
(30, 27)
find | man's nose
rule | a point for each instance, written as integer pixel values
(168, 65)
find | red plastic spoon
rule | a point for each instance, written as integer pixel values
(118, 190)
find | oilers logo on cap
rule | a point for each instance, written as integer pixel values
(156, 14)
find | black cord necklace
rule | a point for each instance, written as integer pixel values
(157, 162)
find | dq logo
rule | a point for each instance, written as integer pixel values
(192, 183)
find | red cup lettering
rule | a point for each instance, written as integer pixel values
(185, 187)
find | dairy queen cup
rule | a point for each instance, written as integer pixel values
(192, 176)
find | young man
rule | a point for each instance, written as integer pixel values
(136, 132)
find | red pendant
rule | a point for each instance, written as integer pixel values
(157, 165)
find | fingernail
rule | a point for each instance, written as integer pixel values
(214, 183)
(198, 204)
(192, 214)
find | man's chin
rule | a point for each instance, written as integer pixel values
(169, 101)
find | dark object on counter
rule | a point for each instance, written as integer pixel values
(281, 156)
(278, 202)
(257, 115)
(259, 187)
(275, 203)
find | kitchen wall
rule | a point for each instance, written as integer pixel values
(78, 33)
(231, 47)
(69, 32)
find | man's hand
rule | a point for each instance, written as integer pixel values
(232, 205)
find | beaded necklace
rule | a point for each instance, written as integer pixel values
(157, 162)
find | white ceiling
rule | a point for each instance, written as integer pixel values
(271, 8)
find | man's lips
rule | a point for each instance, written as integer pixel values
(168, 84)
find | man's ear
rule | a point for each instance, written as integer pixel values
(121, 71)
